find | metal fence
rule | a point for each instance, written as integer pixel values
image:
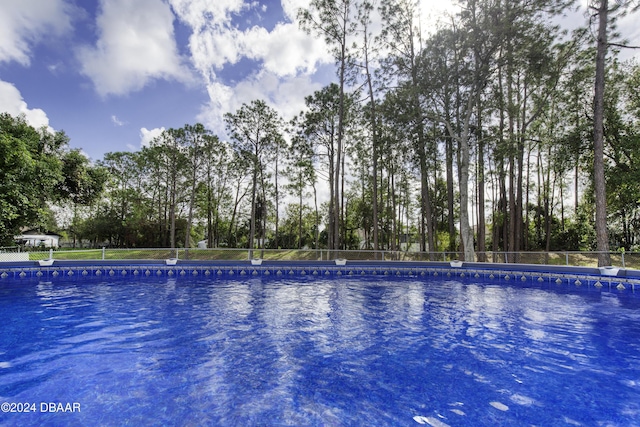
(587, 259)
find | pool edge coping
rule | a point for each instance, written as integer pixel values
(623, 280)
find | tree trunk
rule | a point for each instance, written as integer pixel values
(231, 240)
(277, 207)
(192, 198)
(317, 230)
(466, 232)
(374, 143)
(209, 212)
(450, 194)
(172, 214)
(602, 234)
(300, 201)
(252, 227)
(341, 113)
(480, 179)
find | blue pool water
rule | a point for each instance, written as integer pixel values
(319, 352)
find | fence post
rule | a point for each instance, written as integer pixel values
(623, 260)
(566, 258)
(50, 253)
(103, 250)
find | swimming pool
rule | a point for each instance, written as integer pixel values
(309, 350)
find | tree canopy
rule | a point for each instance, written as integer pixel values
(482, 136)
(37, 168)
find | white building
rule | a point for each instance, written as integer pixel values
(31, 239)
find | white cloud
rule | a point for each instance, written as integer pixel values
(26, 22)
(286, 51)
(215, 47)
(284, 95)
(629, 31)
(215, 41)
(136, 45)
(54, 68)
(200, 13)
(221, 98)
(116, 121)
(287, 55)
(11, 102)
(291, 7)
(146, 135)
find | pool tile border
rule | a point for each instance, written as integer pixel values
(215, 272)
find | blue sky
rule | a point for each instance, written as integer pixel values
(113, 73)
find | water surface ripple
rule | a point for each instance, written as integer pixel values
(318, 353)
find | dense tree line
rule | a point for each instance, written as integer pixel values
(476, 137)
(38, 169)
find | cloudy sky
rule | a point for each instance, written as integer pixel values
(113, 73)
